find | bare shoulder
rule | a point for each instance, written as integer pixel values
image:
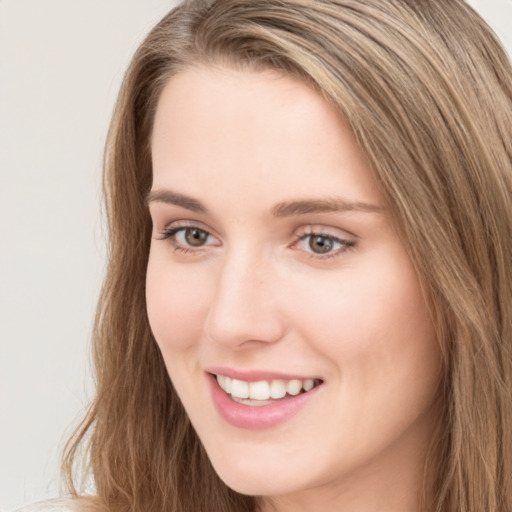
(53, 505)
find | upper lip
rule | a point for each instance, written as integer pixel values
(257, 375)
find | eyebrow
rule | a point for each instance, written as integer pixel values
(284, 209)
(169, 197)
(328, 205)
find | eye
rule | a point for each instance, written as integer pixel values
(193, 236)
(322, 245)
(188, 238)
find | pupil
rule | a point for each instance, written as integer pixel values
(195, 237)
(320, 244)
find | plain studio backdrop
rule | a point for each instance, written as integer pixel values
(61, 63)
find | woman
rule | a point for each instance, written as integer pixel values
(311, 226)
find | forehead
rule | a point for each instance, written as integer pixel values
(243, 128)
(231, 102)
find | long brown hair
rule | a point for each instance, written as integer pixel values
(427, 89)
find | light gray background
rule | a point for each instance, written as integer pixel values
(61, 62)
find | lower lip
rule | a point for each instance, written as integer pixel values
(257, 417)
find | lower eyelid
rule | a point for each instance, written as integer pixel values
(343, 246)
(170, 234)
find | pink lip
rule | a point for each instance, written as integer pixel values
(257, 417)
(255, 375)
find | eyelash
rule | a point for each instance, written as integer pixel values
(170, 234)
(344, 245)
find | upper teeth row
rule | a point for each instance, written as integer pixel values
(263, 390)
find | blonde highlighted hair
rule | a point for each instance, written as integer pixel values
(427, 90)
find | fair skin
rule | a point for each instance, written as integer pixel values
(272, 256)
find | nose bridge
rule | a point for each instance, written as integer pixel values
(244, 304)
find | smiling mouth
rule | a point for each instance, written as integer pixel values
(264, 392)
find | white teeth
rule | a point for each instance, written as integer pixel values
(293, 387)
(259, 390)
(277, 389)
(239, 388)
(263, 390)
(308, 384)
(227, 384)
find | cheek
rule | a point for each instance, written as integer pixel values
(176, 305)
(374, 329)
(371, 321)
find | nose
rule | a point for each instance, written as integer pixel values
(245, 308)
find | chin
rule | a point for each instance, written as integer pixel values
(264, 486)
(259, 479)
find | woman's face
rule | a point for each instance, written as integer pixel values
(276, 273)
